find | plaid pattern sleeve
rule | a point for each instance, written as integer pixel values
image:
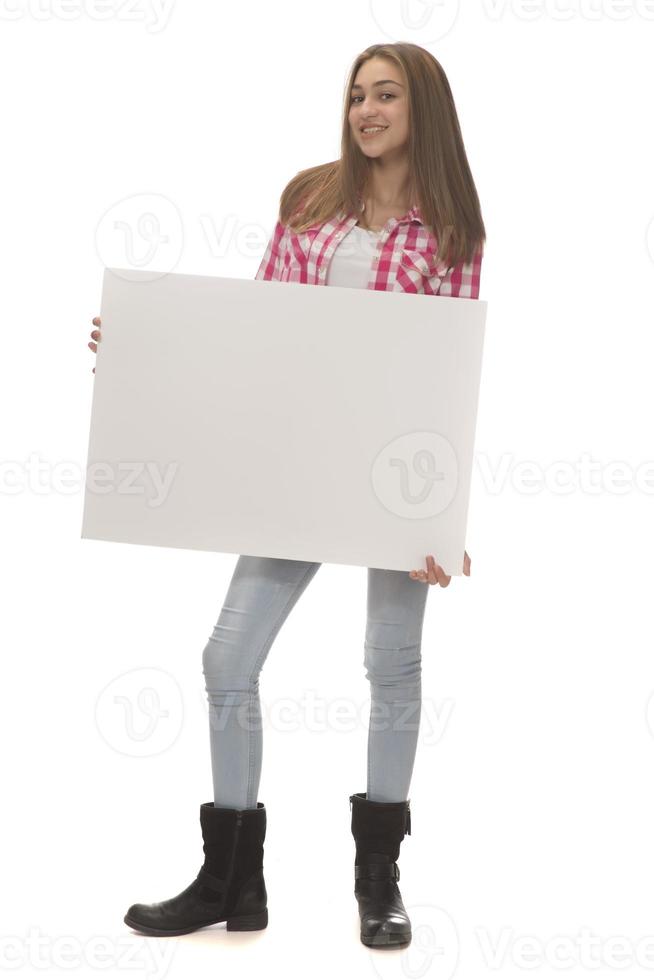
(272, 262)
(462, 279)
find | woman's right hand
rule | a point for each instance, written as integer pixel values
(96, 334)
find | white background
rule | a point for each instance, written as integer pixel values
(533, 790)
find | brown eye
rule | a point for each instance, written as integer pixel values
(355, 97)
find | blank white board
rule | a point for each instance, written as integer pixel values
(318, 423)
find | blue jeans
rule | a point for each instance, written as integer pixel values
(261, 594)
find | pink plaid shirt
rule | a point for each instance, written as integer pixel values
(403, 260)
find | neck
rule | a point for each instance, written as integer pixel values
(389, 185)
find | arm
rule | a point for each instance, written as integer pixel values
(459, 280)
(272, 262)
(462, 279)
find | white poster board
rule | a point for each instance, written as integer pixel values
(285, 420)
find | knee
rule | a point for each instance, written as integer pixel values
(227, 670)
(394, 667)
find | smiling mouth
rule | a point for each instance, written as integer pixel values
(376, 130)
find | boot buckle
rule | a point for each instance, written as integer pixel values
(378, 871)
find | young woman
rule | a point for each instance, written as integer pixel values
(398, 211)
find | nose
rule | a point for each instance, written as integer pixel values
(365, 117)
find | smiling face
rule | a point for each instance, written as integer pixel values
(379, 98)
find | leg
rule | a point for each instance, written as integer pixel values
(261, 594)
(381, 816)
(395, 613)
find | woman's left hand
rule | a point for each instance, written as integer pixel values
(435, 574)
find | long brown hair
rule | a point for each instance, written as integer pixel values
(440, 177)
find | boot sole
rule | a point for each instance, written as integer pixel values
(235, 923)
(386, 940)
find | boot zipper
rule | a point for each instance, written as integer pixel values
(239, 821)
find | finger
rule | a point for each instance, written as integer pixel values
(94, 347)
(95, 334)
(96, 321)
(443, 578)
(438, 573)
(94, 370)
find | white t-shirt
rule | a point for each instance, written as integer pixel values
(352, 259)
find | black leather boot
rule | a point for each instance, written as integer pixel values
(379, 829)
(229, 885)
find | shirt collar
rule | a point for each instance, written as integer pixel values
(413, 214)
